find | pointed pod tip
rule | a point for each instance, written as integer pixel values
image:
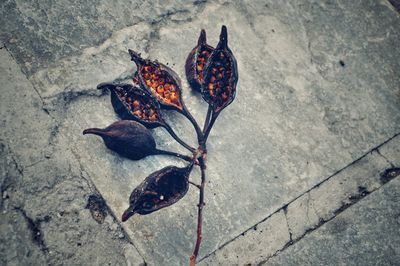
(94, 131)
(105, 85)
(127, 214)
(135, 57)
(202, 37)
(223, 37)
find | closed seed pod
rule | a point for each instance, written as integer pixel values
(159, 190)
(220, 75)
(128, 138)
(132, 140)
(196, 62)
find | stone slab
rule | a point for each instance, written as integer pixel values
(262, 241)
(317, 90)
(392, 151)
(308, 119)
(365, 234)
(39, 33)
(44, 219)
(306, 213)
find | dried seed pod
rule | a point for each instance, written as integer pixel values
(132, 140)
(159, 190)
(160, 80)
(133, 103)
(220, 75)
(127, 138)
(197, 60)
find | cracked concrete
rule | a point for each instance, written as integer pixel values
(316, 118)
(311, 210)
(43, 193)
(348, 236)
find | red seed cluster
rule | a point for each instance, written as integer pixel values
(138, 105)
(219, 85)
(161, 84)
(201, 61)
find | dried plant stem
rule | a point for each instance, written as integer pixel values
(207, 121)
(199, 212)
(194, 184)
(179, 140)
(207, 131)
(175, 154)
(196, 126)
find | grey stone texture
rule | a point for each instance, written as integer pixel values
(365, 234)
(311, 210)
(44, 219)
(318, 89)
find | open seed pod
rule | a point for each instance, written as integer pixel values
(160, 80)
(134, 103)
(159, 190)
(220, 75)
(196, 62)
(128, 138)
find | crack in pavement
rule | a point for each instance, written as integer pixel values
(34, 225)
(95, 191)
(35, 228)
(384, 157)
(354, 199)
(285, 211)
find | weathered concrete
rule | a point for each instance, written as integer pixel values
(365, 234)
(41, 32)
(391, 152)
(44, 194)
(311, 210)
(318, 89)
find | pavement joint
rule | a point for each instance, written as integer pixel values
(388, 175)
(323, 221)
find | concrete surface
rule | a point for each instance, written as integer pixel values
(365, 234)
(321, 204)
(312, 131)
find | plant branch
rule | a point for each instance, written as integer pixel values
(179, 140)
(209, 111)
(194, 184)
(175, 154)
(196, 126)
(214, 117)
(199, 212)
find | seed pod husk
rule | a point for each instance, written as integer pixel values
(164, 84)
(134, 103)
(196, 62)
(159, 190)
(132, 140)
(220, 75)
(160, 80)
(128, 138)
